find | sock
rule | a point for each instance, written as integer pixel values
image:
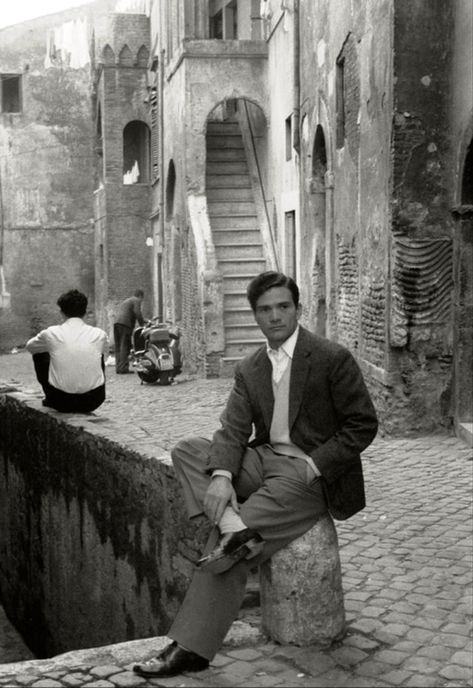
(230, 522)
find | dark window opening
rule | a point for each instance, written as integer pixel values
(467, 181)
(170, 189)
(223, 22)
(289, 137)
(340, 101)
(290, 234)
(216, 25)
(136, 153)
(11, 93)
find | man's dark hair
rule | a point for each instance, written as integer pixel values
(73, 304)
(267, 280)
(139, 293)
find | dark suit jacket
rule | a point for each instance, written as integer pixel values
(331, 416)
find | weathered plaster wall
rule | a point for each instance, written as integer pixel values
(283, 173)
(46, 163)
(346, 197)
(95, 547)
(422, 252)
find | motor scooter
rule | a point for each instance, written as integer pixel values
(155, 354)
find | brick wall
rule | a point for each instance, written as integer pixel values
(95, 546)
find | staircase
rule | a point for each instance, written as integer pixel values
(236, 235)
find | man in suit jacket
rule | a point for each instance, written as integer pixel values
(287, 450)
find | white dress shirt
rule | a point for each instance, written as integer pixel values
(281, 357)
(76, 351)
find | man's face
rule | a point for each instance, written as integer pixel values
(277, 315)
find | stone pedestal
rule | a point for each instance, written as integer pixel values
(301, 589)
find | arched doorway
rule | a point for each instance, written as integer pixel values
(236, 152)
(463, 280)
(318, 296)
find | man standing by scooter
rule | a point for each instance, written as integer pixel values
(128, 313)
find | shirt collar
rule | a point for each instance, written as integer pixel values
(287, 347)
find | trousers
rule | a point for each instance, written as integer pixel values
(64, 401)
(122, 339)
(278, 501)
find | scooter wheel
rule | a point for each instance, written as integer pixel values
(148, 377)
(165, 378)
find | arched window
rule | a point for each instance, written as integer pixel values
(136, 153)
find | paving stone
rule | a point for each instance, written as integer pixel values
(370, 668)
(463, 658)
(458, 629)
(421, 634)
(396, 629)
(73, 680)
(46, 683)
(347, 656)
(100, 683)
(453, 671)
(418, 681)
(396, 677)
(220, 660)
(245, 654)
(422, 665)
(105, 670)
(361, 642)
(450, 640)
(436, 652)
(128, 678)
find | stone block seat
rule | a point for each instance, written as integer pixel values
(301, 590)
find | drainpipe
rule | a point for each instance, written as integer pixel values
(161, 185)
(297, 82)
(4, 295)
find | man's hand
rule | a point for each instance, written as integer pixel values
(219, 494)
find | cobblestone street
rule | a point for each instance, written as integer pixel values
(406, 561)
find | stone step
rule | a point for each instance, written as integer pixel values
(226, 194)
(225, 155)
(232, 237)
(235, 299)
(241, 331)
(230, 208)
(237, 283)
(226, 167)
(233, 223)
(224, 141)
(240, 266)
(238, 315)
(215, 128)
(228, 181)
(239, 250)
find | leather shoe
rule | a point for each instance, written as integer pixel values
(171, 661)
(244, 544)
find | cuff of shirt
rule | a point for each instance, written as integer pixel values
(221, 471)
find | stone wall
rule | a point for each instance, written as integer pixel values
(95, 547)
(46, 178)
